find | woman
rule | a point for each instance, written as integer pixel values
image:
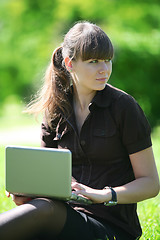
(109, 138)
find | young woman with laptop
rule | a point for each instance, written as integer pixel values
(109, 137)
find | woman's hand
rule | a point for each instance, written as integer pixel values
(18, 200)
(95, 195)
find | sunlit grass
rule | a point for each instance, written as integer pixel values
(149, 210)
(5, 203)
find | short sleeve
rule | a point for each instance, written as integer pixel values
(134, 126)
(47, 136)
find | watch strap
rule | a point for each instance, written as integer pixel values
(113, 201)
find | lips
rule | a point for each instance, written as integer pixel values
(101, 79)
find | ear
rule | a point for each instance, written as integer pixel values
(68, 63)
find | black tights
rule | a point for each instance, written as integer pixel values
(32, 219)
(44, 219)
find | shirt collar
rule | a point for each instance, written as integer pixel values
(102, 98)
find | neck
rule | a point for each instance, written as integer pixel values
(82, 98)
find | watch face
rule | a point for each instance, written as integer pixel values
(113, 201)
(110, 203)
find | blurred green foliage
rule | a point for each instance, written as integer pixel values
(31, 29)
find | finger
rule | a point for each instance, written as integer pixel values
(20, 200)
(81, 192)
(14, 198)
(77, 186)
(7, 194)
(73, 180)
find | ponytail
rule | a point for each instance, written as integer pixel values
(52, 98)
(60, 74)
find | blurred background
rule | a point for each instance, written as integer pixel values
(31, 29)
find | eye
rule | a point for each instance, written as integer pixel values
(107, 60)
(94, 61)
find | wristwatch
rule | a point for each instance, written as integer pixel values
(113, 201)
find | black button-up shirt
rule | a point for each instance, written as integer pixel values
(115, 127)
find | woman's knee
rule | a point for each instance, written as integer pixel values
(53, 213)
(32, 217)
(43, 206)
(48, 208)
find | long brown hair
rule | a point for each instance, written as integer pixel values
(85, 40)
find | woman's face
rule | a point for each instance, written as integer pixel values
(91, 74)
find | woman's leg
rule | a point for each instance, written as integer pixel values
(80, 226)
(25, 221)
(46, 219)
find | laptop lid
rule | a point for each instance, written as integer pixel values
(34, 171)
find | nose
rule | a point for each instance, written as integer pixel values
(104, 68)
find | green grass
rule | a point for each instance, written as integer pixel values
(5, 203)
(149, 210)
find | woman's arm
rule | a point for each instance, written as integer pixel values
(146, 183)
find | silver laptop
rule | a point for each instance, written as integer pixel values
(40, 172)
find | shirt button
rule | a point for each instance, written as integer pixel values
(83, 142)
(59, 136)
